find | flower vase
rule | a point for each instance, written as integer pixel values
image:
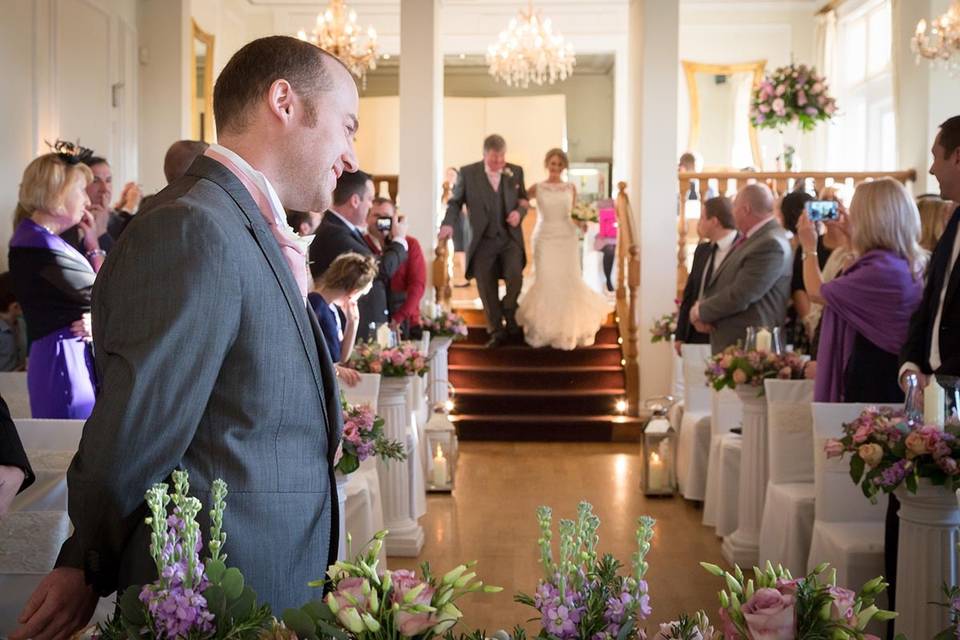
(342, 480)
(406, 536)
(438, 378)
(926, 558)
(743, 545)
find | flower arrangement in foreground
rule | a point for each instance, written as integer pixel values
(399, 604)
(735, 366)
(363, 437)
(793, 92)
(390, 362)
(583, 596)
(774, 604)
(445, 324)
(190, 598)
(887, 450)
(664, 327)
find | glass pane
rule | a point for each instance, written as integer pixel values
(878, 56)
(855, 130)
(854, 46)
(888, 140)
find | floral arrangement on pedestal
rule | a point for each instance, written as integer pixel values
(583, 596)
(794, 93)
(888, 449)
(664, 327)
(774, 604)
(390, 362)
(735, 366)
(191, 598)
(444, 324)
(364, 604)
(363, 437)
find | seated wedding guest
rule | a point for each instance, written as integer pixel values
(53, 283)
(15, 472)
(12, 348)
(343, 230)
(752, 285)
(110, 221)
(410, 281)
(304, 223)
(717, 226)
(180, 155)
(934, 214)
(347, 278)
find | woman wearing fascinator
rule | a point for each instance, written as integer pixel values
(53, 282)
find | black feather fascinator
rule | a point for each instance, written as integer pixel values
(69, 152)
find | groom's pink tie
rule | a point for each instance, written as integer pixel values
(494, 178)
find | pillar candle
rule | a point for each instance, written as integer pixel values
(439, 469)
(934, 402)
(764, 338)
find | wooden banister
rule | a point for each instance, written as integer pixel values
(628, 297)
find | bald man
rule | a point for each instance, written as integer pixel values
(180, 156)
(752, 285)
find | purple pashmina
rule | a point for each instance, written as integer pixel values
(874, 298)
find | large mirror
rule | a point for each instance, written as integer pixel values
(201, 85)
(720, 129)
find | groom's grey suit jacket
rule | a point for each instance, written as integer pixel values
(485, 206)
(750, 288)
(209, 361)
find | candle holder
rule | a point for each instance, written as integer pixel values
(441, 440)
(657, 448)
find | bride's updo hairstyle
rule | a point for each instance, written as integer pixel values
(560, 153)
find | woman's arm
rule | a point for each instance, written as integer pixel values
(349, 331)
(91, 242)
(812, 278)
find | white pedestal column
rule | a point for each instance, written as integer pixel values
(742, 546)
(438, 378)
(406, 535)
(926, 559)
(342, 502)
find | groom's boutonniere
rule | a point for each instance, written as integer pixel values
(507, 171)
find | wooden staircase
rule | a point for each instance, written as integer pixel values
(516, 392)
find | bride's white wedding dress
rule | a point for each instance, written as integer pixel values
(559, 310)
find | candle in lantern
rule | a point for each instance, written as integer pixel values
(934, 401)
(383, 336)
(764, 338)
(658, 472)
(439, 469)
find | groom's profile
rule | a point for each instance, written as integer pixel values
(209, 358)
(494, 193)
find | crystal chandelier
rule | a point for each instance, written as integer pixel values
(529, 51)
(941, 43)
(337, 32)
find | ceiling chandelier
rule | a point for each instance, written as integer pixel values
(942, 42)
(337, 32)
(529, 51)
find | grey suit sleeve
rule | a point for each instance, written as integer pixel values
(166, 312)
(457, 198)
(756, 276)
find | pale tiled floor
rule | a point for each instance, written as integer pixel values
(491, 518)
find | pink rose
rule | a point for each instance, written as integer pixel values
(726, 361)
(842, 605)
(816, 88)
(375, 366)
(871, 453)
(781, 89)
(769, 615)
(779, 106)
(764, 108)
(801, 98)
(397, 358)
(949, 466)
(739, 376)
(411, 624)
(916, 445)
(419, 363)
(788, 587)
(353, 587)
(785, 373)
(729, 629)
(863, 432)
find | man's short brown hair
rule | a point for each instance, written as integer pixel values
(721, 209)
(494, 142)
(950, 136)
(257, 65)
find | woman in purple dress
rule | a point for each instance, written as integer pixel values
(53, 283)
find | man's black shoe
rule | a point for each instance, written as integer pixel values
(496, 340)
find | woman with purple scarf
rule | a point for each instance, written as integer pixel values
(867, 309)
(53, 283)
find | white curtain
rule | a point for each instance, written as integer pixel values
(825, 43)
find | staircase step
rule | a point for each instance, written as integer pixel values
(477, 334)
(533, 377)
(598, 428)
(478, 355)
(569, 402)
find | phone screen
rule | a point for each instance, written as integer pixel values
(822, 210)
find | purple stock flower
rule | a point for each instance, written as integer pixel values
(894, 474)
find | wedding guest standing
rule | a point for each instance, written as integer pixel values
(934, 215)
(410, 281)
(110, 220)
(53, 283)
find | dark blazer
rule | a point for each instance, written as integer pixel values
(473, 189)
(210, 362)
(11, 449)
(920, 336)
(334, 238)
(685, 330)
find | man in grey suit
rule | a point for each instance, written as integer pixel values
(496, 201)
(208, 355)
(752, 285)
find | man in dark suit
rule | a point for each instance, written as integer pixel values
(15, 472)
(208, 355)
(496, 201)
(933, 344)
(718, 228)
(342, 230)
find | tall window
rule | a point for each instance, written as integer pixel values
(863, 136)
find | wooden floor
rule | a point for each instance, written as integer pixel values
(491, 518)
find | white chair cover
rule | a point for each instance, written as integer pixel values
(418, 486)
(726, 414)
(13, 390)
(789, 507)
(367, 391)
(693, 447)
(847, 529)
(728, 514)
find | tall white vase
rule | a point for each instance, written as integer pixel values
(406, 535)
(438, 377)
(342, 513)
(742, 546)
(926, 558)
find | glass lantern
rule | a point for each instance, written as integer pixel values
(658, 448)
(441, 439)
(763, 339)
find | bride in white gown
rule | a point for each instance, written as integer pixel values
(559, 310)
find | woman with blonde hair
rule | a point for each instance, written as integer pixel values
(53, 282)
(934, 214)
